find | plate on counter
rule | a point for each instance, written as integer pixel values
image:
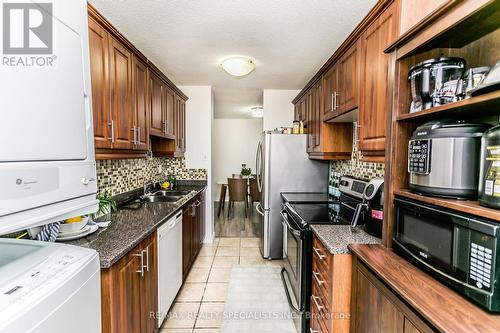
(85, 232)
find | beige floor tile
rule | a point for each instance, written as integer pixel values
(176, 330)
(203, 262)
(191, 292)
(278, 263)
(215, 292)
(229, 241)
(220, 275)
(250, 242)
(199, 275)
(228, 251)
(208, 251)
(206, 330)
(216, 241)
(210, 315)
(182, 315)
(253, 261)
(225, 262)
(250, 252)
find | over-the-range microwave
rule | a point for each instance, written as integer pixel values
(458, 249)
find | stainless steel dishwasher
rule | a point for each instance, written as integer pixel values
(169, 263)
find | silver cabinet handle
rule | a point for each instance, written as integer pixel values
(141, 271)
(147, 258)
(319, 307)
(112, 124)
(313, 331)
(332, 105)
(316, 276)
(318, 253)
(135, 136)
(335, 106)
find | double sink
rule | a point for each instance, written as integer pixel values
(164, 196)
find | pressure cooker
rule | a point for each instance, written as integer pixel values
(443, 158)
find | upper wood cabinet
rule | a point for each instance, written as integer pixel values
(129, 291)
(348, 81)
(142, 104)
(99, 64)
(413, 12)
(131, 98)
(375, 90)
(330, 93)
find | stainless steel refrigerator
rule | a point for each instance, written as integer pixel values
(283, 165)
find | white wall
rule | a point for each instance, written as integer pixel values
(234, 142)
(199, 116)
(278, 108)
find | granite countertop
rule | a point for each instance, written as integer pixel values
(336, 238)
(129, 227)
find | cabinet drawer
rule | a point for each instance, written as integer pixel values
(317, 326)
(322, 280)
(321, 256)
(320, 311)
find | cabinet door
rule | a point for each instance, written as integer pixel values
(412, 12)
(141, 104)
(410, 328)
(99, 69)
(374, 312)
(120, 63)
(156, 119)
(330, 93)
(126, 285)
(375, 92)
(316, 110)
(195, 231)
(149, 285)
(347, 98)
(183, 125)
(169, 111)
(186, 239)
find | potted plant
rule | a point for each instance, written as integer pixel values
(107, 205)
(245, 172)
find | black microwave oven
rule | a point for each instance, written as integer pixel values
(458, 249)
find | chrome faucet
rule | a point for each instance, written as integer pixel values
(145, 188)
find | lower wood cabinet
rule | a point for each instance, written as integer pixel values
(129, 291)
(193, 231)
(376, 309)
(331, 291)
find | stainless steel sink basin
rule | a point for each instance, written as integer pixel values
(159, 198)
(170, 193)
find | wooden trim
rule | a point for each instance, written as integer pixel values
(94, 13)
(330, 156)
(115, 154)
(423, 24)
(465, 206)
(378, 9)
(443, 308)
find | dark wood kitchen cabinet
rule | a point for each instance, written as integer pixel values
(131, 98)
(180, 126)
(330, 92)
(375, 90)
(193, 231)
(129, 291)
(142, 105)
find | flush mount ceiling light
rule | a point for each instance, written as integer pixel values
(238, 66)
(257, 111)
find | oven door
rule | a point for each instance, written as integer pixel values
(293, 247)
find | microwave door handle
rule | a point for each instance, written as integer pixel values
(285, 220)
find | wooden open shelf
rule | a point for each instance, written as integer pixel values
(465, 206)
(482, 105)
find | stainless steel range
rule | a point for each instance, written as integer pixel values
(297, 215)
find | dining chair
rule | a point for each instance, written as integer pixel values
(254, 194)
(238, 191)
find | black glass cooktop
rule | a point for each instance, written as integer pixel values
(319, 213)
(310, 197)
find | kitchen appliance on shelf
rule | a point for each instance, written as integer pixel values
(470, 80)
(460, 250)
(489, 178)
(283, 165)
(47, 164)
(443, 158)
(434, 82)
(491, 81)
(299, 212)
(48, 287)
(169, 264)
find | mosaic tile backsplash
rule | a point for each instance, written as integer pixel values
(118, 176)
(357, 169)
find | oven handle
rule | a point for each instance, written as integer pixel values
(286, 223)
(283, 271)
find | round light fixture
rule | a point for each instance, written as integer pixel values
(257, 111)
(238, 66)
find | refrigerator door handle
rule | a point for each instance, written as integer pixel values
(258, 208)
(258, 166)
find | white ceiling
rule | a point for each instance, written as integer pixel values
(289, 40)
